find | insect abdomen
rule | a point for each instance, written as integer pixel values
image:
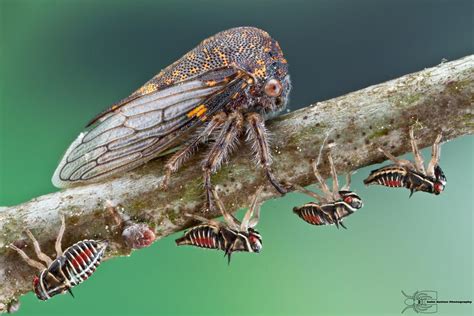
(390, 176)
(82, 259)
(203, 236)
(312, 214)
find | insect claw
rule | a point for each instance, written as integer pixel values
(276, 184)
(411, 192)
(342, 224)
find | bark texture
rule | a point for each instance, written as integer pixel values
(438, 99)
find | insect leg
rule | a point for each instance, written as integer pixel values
(228, 217)
(225, 142)
(435, 154)
(31, 262)
(42, 256)
(177, 160)
(257, 135)
(347, 186)
(253, 214)
(200, 218)
(310, 193)
(400, 162)
(57, 246)
(419, 164)
(335, 181)
(322, 184)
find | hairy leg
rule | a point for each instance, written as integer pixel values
(435, 154)
(177, 160)
(257, 135)
(220, 150)
(419, 163)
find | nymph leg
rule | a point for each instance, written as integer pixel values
(57, 246)
(202, 219)
(42, 256)
(322, 184)
(253, 214)
(335, 181)
(310, 193)
(257, 135)
(228, 217)
(31, 262)
(225, 142)
(419, 163)
(401, 162)
(435, 154)
(347, 186)
(177, 160)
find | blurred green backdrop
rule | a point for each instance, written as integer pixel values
(64, 61)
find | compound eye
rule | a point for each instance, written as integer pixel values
(273, 88)
(348, 199)
(35, 281)
(439, 187)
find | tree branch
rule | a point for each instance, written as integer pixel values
(436, 99)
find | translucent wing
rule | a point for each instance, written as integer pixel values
(139, 129)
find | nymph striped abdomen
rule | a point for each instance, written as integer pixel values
(394, 176)
(204, 236)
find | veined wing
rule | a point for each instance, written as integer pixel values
(127, 136)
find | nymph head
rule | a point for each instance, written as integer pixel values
(255, 240)
(47, 284)
(440, 180)
(351, 199)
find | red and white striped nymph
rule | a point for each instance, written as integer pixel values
(71, 267)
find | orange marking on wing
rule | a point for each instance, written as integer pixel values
(197, 111)
(201, 112)
(211, 83)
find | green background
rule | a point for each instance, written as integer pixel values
(62, 62)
